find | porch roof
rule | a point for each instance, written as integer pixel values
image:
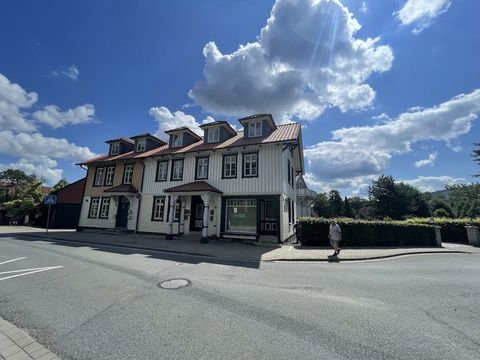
(196, 186)
(124, 188)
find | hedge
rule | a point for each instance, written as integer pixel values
(452, 230)
(363, 233)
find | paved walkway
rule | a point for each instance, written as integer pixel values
(228, 250)
(15, 344)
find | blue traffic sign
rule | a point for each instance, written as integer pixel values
(50, 199)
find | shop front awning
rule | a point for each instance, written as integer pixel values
(122, 189)
(193, 188)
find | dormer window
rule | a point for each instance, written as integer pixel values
(255, 129)
(141, 145)
(177, 140)
(114, 148)
(213, 135)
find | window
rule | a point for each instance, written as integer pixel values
(114, 149)
(213, 135)
(162, 168)
(293, 177)
(177, 140)
(99, 176)
(241, 215)
(93, 211)
(250, 165)
(177, 169)
(158, 210)
(128, 174)
(230, 166)
(141, 145)
(202, 168)
(109, 175)
(104, 208)
(255, 129)
(288, 170)
(176, 214)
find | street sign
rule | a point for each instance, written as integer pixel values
(50, 199)
(139, 195)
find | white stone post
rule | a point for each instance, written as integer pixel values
(206, 203)
(438, 235)
(473, 235)
(171, 214)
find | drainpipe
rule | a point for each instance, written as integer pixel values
(83, 193)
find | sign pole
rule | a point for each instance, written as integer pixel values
(48, 218)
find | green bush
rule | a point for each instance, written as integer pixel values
(362, 233)
(453, 230)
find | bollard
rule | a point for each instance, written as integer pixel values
(473, 235)
(438, 235)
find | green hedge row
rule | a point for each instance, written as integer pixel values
(453, 230)
(362, 233)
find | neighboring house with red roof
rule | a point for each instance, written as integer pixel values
(225, 184)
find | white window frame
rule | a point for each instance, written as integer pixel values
(255, 129)
(229, 166)
(109, 175)
(213, 135)
(141, 145)
(177, 140)
(104, 208)
(248, 160)
(177, 171)
(114, 148)
(159, 164)
(202, 168)
(99, 176)
(128, 174)
(93, 209)
(158, 211)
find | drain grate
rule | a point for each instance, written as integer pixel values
(173, 284)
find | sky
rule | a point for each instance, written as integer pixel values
(380, 87)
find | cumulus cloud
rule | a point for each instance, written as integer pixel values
(421, 13)
(305, 59)
(361, 151)
(72, 72)
(54, 117)
(434, 183)
(13, 99)
(43, 167)
(167, 120)
(430, 160)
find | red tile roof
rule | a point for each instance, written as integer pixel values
(283, 133)
(196, 186)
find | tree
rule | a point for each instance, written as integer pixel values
(335, 204)
(347, 210)
(320, 205)
(59, 185)
(476, 156)
(465, 199)
(437, 204)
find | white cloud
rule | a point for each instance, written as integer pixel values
(434, 183)
(167, 120)
(430, 160)
(54, 117)
(306, 58)
(72, 72)
(364, 7)
(45, 168)
(421, 13)
(366, 150)
(13, 98)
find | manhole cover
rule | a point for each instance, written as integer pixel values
(174, 284)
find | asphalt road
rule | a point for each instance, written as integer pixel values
(105, 303)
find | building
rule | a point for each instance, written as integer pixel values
(305, 198)
(65, 213)
(225, 184)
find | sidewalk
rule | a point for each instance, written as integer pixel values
(15, 344)
(227, 250)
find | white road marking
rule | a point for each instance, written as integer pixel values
(28, 272)
(9, 261)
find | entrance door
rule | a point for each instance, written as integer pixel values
(269, 216)
(196, 218)
(122, 212)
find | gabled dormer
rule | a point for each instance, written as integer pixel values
(260, 125)
(120, 146)
(181, 137)
(217, 132)
(145, 142)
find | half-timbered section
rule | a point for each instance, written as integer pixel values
(113, 181)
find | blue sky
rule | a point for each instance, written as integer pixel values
(379, 86)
